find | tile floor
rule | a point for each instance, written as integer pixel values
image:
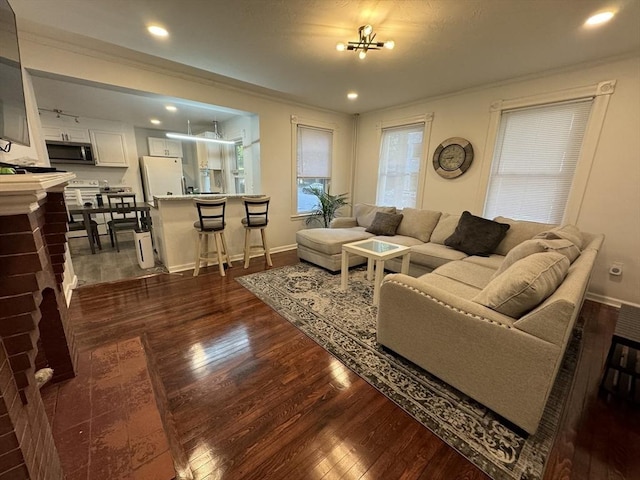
(107, 265)
(105, 421)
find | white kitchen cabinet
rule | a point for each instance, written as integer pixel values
(66, 134)
(164, 147)
(209, 155)
(109, 148)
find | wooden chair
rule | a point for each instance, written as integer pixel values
(211, 221)
(93, 234)
(123, 215)
(257, 218)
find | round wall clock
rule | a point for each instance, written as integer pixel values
(453, 157)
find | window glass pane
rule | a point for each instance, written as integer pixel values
(308, 201)
(398, 174)
(536, 154)
(314, 154)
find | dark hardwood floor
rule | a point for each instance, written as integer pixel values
(248, 396)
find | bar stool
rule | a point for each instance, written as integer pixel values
(210, 221)
(257, 218)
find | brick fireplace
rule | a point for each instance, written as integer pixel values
(34, 325)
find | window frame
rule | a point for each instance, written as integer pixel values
(318, 125)
(600, 93)
(425, 119)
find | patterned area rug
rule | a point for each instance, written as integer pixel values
(344, 323)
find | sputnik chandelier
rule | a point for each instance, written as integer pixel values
(365, 43)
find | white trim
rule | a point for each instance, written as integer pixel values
(399, 122)
(68, 289)
(587, 154)
(613, 302)
(310, 122)
(238, 257)
(600, 93)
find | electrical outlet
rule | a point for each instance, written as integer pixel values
(616, 269)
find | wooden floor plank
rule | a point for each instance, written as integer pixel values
(250, 396)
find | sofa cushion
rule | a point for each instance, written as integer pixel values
(385, 223)
(444, 229)
(525, 284)
(343, 222)
(566, 232)
(433, 255)
(400, 240)
(330, 240)
(459, 289)
(537, 245)
(471, 274)
(418, 223)
(476, 235)
(518, 232)
(365, 213)
(493, 261)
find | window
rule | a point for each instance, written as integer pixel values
(399, 168)
(535, 158)
(237, 167)
(313, 160)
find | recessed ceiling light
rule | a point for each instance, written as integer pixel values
(155, 121)
(171, 108)
(599, 18)
(352, 95)
(157, 30)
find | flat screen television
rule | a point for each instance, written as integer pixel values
(13, 112)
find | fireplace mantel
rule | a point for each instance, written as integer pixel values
(35, 331)
(21, 193)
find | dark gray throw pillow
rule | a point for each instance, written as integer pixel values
(476, 235)
(385, 223)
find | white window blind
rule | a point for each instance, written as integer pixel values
(537, 150)
(399, 168)
(314, 152)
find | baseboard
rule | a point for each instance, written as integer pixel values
(68, 289)
(613, 302)
(238, 257)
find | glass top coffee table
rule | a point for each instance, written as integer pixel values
(376, 252)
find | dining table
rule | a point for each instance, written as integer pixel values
(87, 211)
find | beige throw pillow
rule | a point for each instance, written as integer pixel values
(537, 245)
(525, 284)
(567, 232)
(520, 231)
(418, 223)
(445, 228)
(365, 213)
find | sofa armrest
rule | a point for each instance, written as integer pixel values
(343, 222)
(454, 303)
(469, 346)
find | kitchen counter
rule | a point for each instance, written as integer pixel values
(20, 193)
(174, 235)
(191, 196)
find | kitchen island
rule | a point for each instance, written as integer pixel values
(173, 231)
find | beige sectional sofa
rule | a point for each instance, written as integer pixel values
(495, 327)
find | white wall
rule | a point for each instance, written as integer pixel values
(274, 149)
(611, 204)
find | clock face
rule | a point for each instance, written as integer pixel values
(452, 157)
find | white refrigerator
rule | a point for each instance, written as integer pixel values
(161, 176)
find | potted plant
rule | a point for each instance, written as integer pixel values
(326, 208)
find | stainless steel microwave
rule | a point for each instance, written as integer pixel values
(70, 152)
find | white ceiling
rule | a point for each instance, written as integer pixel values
(288, 46)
